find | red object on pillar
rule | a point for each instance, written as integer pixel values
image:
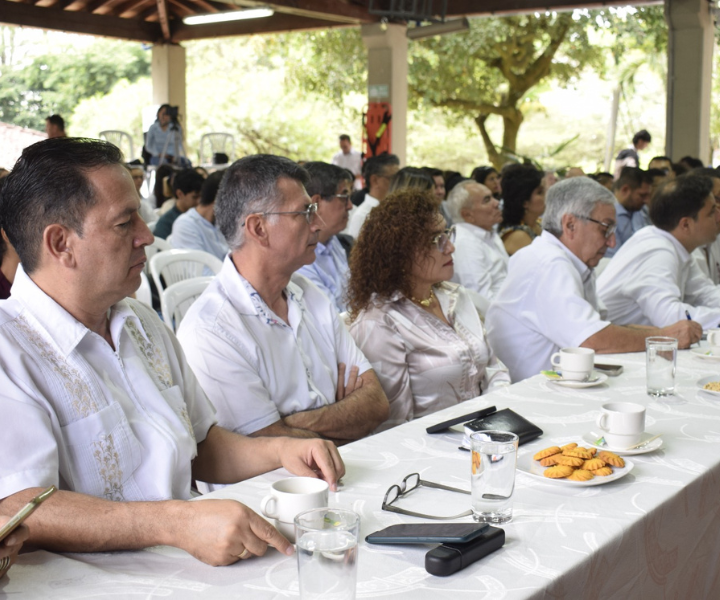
(377, 129)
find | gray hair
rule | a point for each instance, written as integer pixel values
(250, 187)
(576, 196)
(458, 199)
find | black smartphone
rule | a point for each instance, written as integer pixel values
(479, 414)
(427, 533)
(612, 370)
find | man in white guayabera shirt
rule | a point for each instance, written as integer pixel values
(548, 300)
(96, 397)
(654, 279)
(267, 345)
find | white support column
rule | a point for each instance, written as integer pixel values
(387, 76)
(690, 49)
(168, 77)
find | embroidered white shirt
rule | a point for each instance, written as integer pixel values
(256, 368)
(117, 424)
(480, 259)
(653, 280)
(358, 214)
(547, 302)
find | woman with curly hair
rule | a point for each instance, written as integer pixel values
(523, 204)
(421, 333)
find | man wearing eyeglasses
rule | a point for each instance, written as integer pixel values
(267, 345)
(330, 188)
(549, 301)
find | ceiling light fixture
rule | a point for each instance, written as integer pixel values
(223, 17)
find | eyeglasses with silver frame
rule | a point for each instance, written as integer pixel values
(609, 227)
(410, 483)
(309, 213)
(441, 239)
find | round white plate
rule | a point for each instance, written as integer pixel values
(706, 352)
(595, 379)
(592, 436)
(526, 464)
(705, 380)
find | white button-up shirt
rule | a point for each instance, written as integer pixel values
(117, 424)
(708, 259)
(480, 259)
(254, 367)
(191, 231)
(358, 214)
(547, 302)
(329, 271)
(653, 280)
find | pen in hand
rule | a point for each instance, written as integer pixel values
(687, 314)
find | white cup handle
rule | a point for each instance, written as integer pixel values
(553, 357)
(268, 511)
(601, 420)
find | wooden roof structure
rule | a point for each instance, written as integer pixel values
(160, 21)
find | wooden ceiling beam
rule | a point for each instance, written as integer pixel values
(328, 10)
(488, 8)
(15, 13)
(183, 9)
(163, 16)
(130, 6)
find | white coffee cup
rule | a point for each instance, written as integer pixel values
(575, 364)
(713, 337)
(289, 497)
(622, 423)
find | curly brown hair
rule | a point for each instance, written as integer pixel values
(382, 259)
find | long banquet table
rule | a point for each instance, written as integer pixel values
(655, 533)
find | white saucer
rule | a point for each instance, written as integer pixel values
(706, 380)
(592, 436)
(526, 464)
(595, 379)
(706, 352)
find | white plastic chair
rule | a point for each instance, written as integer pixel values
(122, 140)
(159, 245)
(212, 143)
(178, 298)
(143, 293)
(171, 266)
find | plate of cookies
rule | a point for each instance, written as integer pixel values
(575, 465)
(711, 385)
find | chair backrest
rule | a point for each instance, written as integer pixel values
(211, 143)
(143, 293)
(122, 140)
(178, 298)
(159, 245)
(171, 266)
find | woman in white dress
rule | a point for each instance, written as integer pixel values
(421, 332)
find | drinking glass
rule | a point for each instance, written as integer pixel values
(327, 548)
(661, 358)
(494, 454)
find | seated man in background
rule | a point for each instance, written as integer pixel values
(377, 171)
(632, 192)
(195, 229)
(146, 211)
(548, 300)
(329, 187)
(186, 186)
(708, 256)
(654, 279)
(94, 389)
(262, 328)
(480, 257)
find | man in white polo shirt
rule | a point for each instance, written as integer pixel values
(654, 279)
(96, 397)
(267, 345)
(548, 300)
(378, 172)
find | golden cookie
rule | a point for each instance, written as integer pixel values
(547, 452)
(568, 446)
(549, 461)
(603, 472)
(612, 459)
(579, 453)
(592, 451)
(581, 475)
(593, 464)
(569, 461)
(558, 472)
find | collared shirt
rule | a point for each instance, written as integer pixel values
(329, 271)
(480, 259)
(358, 214)
(117, 424)
(191, 231)
(256, 368)
(708, 259)
(159, 140)
(547, 302)
(352, 161)
(628, 223)
(163, 227)
(654, 280)
(424, 364)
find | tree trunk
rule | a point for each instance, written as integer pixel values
(511, 127)
(493, 155)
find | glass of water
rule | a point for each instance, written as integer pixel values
(327, 548)
(661, 358)
(494, 454)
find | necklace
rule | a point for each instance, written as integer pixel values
(427, 301)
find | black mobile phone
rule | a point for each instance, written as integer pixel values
(461, 419)
(612, 370)
(427, 533)
(450, 558)
(25, 512)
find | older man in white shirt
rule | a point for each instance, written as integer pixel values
(95, 394)
(269, 331)
(480, 257)
(548, 300)
(654, 279)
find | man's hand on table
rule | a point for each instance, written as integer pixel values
(311, 458)
(686, 332)
(10, 546)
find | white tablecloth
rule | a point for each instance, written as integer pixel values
(652, 534)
